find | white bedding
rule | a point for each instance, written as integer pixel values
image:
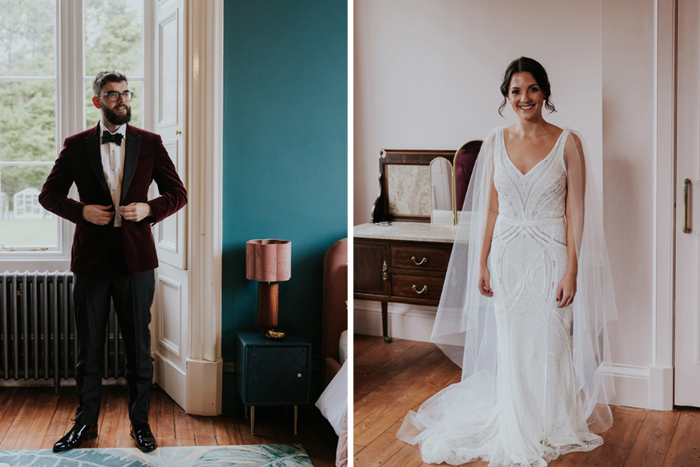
(333, 403)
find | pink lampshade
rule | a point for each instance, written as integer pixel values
(268, 260)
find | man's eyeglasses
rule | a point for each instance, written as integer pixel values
(114, 95)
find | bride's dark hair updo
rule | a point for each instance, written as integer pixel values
(536, 70)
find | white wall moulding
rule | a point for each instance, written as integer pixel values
(410, 322)
(204, 387)
(661, 388)
(631, 384)
(204, 127)
(664, 187)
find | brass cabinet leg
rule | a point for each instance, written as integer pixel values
(252, 420)
(385, 322)
(296, 413)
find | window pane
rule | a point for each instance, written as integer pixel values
(114, 36)
(27, 37)
(23, 222)
(93, 114)
(28, 121)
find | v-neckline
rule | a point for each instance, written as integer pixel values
(505, 151)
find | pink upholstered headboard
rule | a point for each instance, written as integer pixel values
(335, 294)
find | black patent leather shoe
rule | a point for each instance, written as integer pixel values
(143, 437)
(75, 436)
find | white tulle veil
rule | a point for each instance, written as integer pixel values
(465, 327)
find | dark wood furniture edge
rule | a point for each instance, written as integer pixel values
(393, 299)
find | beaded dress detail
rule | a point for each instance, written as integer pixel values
(532, 413)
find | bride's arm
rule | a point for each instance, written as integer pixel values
(484, 275)
(575, 194)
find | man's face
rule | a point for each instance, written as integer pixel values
(115, 112)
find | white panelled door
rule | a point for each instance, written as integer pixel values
(687, 325)
(172, 281)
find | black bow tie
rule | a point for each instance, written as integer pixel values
(108, 137)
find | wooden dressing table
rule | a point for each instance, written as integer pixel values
(400, 256)
(404, 263)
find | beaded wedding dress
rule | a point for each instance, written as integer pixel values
(526, 396)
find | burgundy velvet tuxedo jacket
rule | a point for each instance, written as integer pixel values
(145, 160)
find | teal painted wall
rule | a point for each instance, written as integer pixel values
(285, 153)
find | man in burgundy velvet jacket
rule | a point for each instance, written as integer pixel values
(113, 254)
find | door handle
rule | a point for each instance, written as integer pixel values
(385, 272)
(424, 260)
(687, 184)
(424, 289)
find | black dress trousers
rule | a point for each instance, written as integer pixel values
(132, 296)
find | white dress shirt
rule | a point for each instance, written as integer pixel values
(113, 167)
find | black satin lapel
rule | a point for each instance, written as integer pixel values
(92, 146)
(133, 145)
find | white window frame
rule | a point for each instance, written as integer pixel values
(70, 119)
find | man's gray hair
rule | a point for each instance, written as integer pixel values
(105, 77)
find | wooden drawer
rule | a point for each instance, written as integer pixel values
(409, 286)
(420, 258)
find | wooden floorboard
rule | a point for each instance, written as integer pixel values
(397, 377)
(654, 439)
(35, 418)
(684, 450)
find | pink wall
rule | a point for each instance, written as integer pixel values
(628, 145)
(427, 74)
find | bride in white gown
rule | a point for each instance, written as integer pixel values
(529, 265)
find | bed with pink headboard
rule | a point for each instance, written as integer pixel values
(335, 313)
(333, 402)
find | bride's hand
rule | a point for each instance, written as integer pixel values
(566, 290)
(485, 282)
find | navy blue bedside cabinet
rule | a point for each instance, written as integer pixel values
(273, 372)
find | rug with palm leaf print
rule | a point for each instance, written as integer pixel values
(262, 455)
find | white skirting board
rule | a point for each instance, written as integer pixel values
(635, 386)
(410, 322)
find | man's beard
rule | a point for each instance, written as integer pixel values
(112, 117)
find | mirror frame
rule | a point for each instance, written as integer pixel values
(453, 195)
(388, 157)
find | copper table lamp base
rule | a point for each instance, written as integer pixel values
(268, 306)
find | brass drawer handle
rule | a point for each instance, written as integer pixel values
(424, 260)
(424, 289)
(686, 186)
(385, 272)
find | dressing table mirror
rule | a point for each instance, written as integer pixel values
(442, 192)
